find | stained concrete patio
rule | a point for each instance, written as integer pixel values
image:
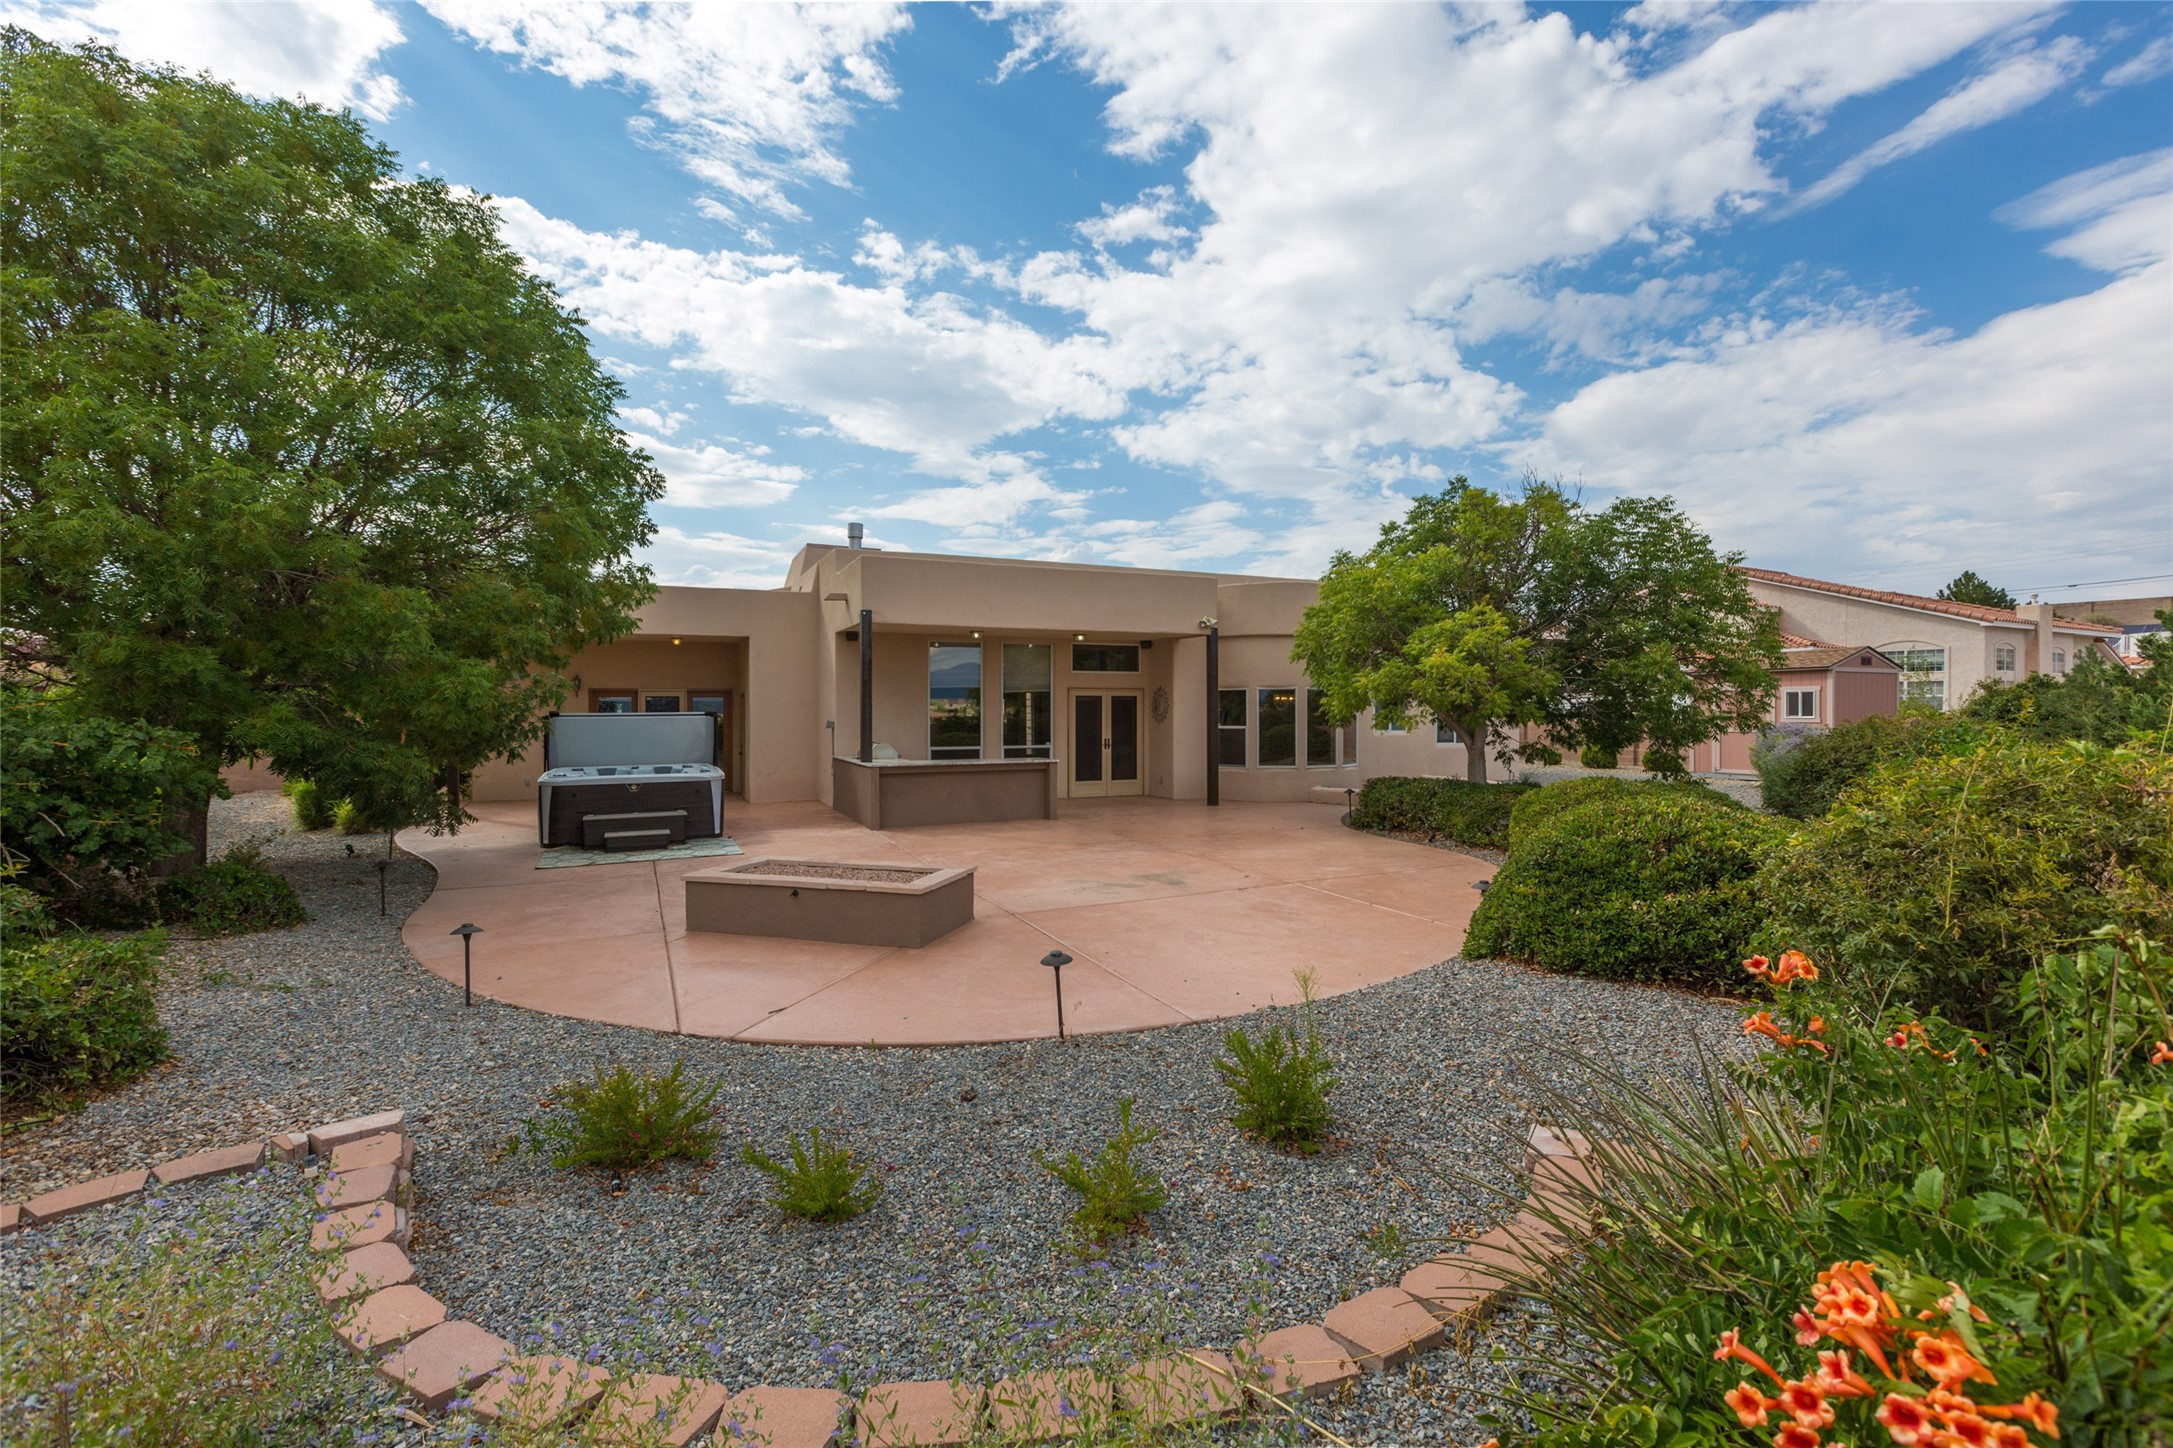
(1171, 912)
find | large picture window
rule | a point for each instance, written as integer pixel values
(954, 701)
(1278, 727)
(1919, 661)
(1230, 727)
(1319, 737)
(1105, 658)
(1026, 682)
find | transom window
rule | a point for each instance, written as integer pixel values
(1105, 658)
(1799, 703)
(954, 701)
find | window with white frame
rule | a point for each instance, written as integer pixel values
(1446, 733)
(2003, 658)
(2059, 661)
(1924, 691)
(1799, 703)
(1923, 673)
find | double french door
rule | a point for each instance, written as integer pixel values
(1107, 756)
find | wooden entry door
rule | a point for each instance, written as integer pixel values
(1108, 749)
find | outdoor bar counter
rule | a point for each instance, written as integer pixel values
(898, 793)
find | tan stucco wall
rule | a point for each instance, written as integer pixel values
(1864, 623)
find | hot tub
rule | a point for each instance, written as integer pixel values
(629, 781)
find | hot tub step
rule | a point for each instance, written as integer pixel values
(597, 830)
(617, 840)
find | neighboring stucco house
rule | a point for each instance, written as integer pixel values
(1944, 649)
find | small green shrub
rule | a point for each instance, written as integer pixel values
(1939, 880)
(1595, 758)
(1637, 883)
(347, 820)
(235, 894)
(1116, 1191)
(77, 1011)
(1802, 772)
(1539, 805)
(1281, 1081)
(821, 1183)
(312, 811)
(623, 1120)
(1451, 809)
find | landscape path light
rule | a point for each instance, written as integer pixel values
(1056, 960)
(1350, 803)
(382, 867)
(467, 934)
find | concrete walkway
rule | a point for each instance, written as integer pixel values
(1172, 912)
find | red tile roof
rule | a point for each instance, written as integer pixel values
(1798, 641)
(1974, 611)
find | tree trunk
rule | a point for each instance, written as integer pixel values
(1474, 751)
(191, 828)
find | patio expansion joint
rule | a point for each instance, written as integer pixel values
(664, 928)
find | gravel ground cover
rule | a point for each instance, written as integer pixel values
(965, 1264)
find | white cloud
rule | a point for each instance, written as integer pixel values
(327, 51)
(706, 475)
(2015, 84)
(1874, 448)
(716, 560)
(1150, 218)
(2147, 64)
(749, 95)
(2122, 212)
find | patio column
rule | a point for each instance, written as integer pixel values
(1214, 715)
(867, 686)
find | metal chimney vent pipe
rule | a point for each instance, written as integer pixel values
(855, 535)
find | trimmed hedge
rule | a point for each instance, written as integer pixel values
(1802, 772)
(1940, 880)
(77, 1011)
(1537, 808)
(1636, 882)
(1451, 809)
(235, 894)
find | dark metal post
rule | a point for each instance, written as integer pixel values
(382, 867)
(867, 686)
(1214, 715)
(1056, 960)
(467, 934)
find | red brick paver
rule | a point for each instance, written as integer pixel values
(290, 1145)
(678, 1410)
(384, 1320)
(224, 1162)
(365, 1269)
(1042, 1406)
(918, 1415)
(537, 1390)
(338, 1133)
(360, 1226)
(1302, 1361)
(12, 1218)
(1182, 1386)
(783, 1417)
(370, 1184)
(84, 1195)
(396, 1147)
(441, 1361)
(1384, 1327)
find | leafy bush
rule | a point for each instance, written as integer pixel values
(2029, 1178)
(623, 1120)
(206, 1337)
(1543, 804)
(1116, 1192)
(2098, 702)
(312, 811)
(1281, 1081)
(235, 894)
(83, 796)
(1593, 757)
(1638, 882)
(821, 1183)
(76, 1011)
(1941, 881)
(1802, 772)
(1451, 809)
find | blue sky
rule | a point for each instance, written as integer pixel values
(1876, 292)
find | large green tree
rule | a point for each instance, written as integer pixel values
(1967, 587)
(296, 456)
(1604, 629)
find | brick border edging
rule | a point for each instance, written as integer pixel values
(413, 1341)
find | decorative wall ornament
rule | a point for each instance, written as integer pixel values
(1159, 704)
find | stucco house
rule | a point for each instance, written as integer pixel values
(910, 688)
(1944, 649)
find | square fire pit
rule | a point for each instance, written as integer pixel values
(848, 901)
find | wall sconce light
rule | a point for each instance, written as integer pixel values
(1078, 638)
(976, 633)
(675, 643)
